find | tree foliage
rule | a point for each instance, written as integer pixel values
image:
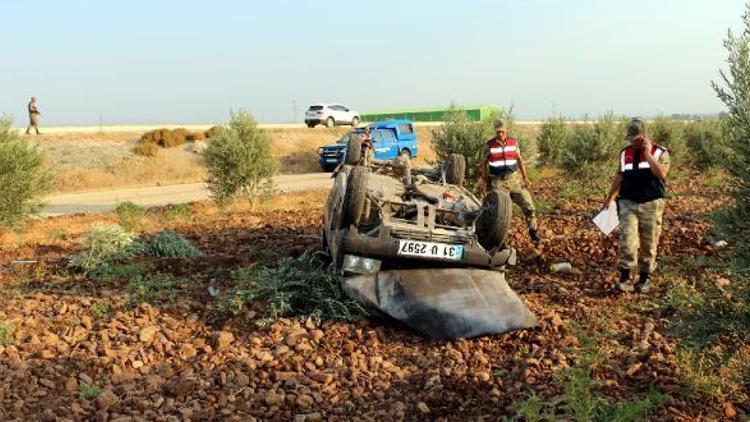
(239, 160)
(24, 178)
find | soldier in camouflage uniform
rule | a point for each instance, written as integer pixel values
(640, 189)
(33, 116)
(500, 170)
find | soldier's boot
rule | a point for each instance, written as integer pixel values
(644, 283)
(624, 283)
(534, 235)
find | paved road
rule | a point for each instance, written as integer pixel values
(102, 201)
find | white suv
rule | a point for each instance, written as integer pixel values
(330, 115)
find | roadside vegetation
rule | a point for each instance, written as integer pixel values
(24, 177)
(239, 159)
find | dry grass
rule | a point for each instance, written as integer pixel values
(104, 160)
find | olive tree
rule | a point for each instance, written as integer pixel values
(24, 177)
(239, 160)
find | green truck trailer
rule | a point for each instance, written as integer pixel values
(436, 114)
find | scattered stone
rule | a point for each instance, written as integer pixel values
(147, 334)
(423, 408)
(224, 339)
(105, 400)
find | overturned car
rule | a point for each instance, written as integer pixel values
(418, 245)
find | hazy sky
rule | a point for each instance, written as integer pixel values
(193, 61)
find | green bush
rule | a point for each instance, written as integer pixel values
(146, 149)
(460, 135)
(239, 161)
(215, 131)
(170, 244)
(7, 330)
(705, 143)
(671, 134)
(104, 244)
(553, 140)
(129, 215)
(24, 178)
(178, 212)
(300, 286)
(153, 288)
(594, 146)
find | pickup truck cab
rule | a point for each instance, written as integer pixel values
(390, 139)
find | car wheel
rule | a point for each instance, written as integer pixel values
(330, 122)
(405, 154)
(355, 121)
(493, 223)
(353, 153)
(355, 196)
(455, 169)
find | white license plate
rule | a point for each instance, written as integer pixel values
(430, 250)
(331, 160)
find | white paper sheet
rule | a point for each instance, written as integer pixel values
(607, 220)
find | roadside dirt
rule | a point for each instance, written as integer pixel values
(179, 361)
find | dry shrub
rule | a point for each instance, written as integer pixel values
(196, 136)
(165, 137)
(146, 149)
(215, 131)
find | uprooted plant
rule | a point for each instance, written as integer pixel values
(301, 286)
(107, 245)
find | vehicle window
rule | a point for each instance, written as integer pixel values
(345, 138)
(406, 129)
(316, 107)
(388, 135)
(336, 108)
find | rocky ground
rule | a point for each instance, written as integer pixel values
(76, 349)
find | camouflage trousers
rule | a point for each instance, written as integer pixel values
(640, 228)
(33, 123)
(518, 194)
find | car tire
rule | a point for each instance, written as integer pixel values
(330, 122)
(493, 224)
(355, 121)
(405, 154)
(353, 153)
(455, 169)
(355, 197)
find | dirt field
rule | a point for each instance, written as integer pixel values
(76, 350)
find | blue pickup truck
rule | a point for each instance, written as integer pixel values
(391, 139)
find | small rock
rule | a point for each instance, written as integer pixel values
(146, 335)
(105, 400)
(423, 408)
(722, 282)
(729, 410)
(316, 335)
(224, 339)
(313, 417)
(322, 377)
(281, 350)
(242, 380)
(305, 401)
(273, 399)
(281, 376)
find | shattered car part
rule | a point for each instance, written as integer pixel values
(444, 303)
